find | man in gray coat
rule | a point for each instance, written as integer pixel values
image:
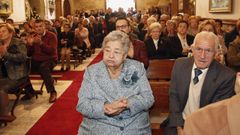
(13, 70)
(197, 82)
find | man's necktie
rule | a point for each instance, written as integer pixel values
(197, 73)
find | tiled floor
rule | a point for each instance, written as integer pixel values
(85, 63)
(28, 112)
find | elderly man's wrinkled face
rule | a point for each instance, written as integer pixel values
(4, 33)
(204, 52)
(113, 54)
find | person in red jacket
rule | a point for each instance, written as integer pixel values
(42, 47)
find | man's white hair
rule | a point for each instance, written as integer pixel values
(207, 35)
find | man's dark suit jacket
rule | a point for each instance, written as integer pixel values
(176, 46)
(218, 85)
(163, 49)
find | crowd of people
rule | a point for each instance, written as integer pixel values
(205, 54)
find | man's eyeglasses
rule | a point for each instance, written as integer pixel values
(121, 27)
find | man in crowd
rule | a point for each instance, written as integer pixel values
(137, 49)
(205, 81)
(42, 47)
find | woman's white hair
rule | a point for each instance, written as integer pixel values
(120, 36)
(155, 25)
(151, 20)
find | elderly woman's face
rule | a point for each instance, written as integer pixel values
(155, 33)
(208, 28)
(113, 54)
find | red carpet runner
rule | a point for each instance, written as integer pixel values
(62, 117)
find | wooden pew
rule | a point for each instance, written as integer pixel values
(160, 69)
(159, 76)
(160, 107)
(160, 92)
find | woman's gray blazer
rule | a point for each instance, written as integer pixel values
(97, 88)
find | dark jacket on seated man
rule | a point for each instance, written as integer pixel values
(215, 88)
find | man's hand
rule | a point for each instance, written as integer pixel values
(37, 40)
(31, 39)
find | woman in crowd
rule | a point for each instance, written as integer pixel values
(209, 25)
(115, 95)
(150, 20)
(181, 42)
(13, 69)
(193, 26)
(66, 41)
(82, 39)
(171, 27)
(219, 29)
(156, 44)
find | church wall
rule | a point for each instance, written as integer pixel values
(18, 14)
(100, 4)
(202, 10)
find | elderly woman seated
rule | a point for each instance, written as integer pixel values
(13, 71)
(115, 94)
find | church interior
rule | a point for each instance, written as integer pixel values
(167, 29)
